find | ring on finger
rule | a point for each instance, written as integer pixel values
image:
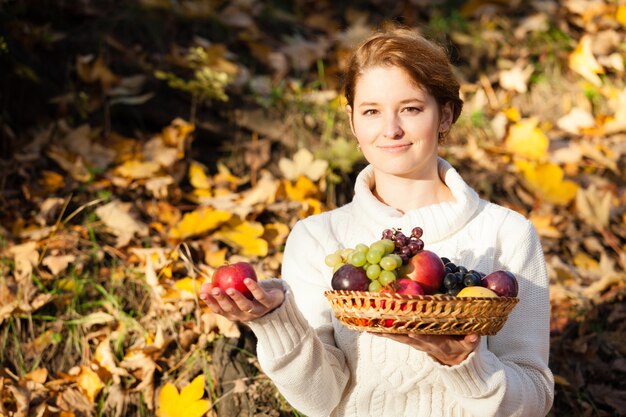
(250, 310)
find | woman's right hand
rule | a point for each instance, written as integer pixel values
(236, 307)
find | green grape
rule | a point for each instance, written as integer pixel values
(374, 286)
(388, 245)
(374, 255)
(397, 258)
(386, 277)
(389, 263)
(357, 258)
(336, 267)
(378, 246)
(345, 253)
(361, 247)
(332, 259)
(373, 271)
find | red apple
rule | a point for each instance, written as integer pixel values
(409, 287)
(232, 276)
(426, 268)
(501, 282)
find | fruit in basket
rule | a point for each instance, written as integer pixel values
(476, 291)
(409, 287)
(427, 269)
(502, 283)
(350, 278)
(232, 276)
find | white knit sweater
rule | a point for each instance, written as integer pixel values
(324, 369)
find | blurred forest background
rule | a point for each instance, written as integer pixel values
(144, 143)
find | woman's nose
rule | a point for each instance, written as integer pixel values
(393, 130)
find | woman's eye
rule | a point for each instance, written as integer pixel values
(370, 112)
(412, 109)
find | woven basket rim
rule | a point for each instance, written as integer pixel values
(396, 296)
(420, 314)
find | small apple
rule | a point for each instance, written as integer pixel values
(427, 269)
(501, 282)
(409, 287)
(232, 276)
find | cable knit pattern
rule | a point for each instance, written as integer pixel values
(324, 369)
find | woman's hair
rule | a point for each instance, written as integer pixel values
(426, 63)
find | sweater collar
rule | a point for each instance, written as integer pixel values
(437, 220)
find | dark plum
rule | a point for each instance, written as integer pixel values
(350, 278)
(502, 283)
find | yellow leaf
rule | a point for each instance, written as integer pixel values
(586, 262)
(89, 383)
(246, 237)
(176, 134)
(188, 286)
(527, 140)
(546, 179)
(198, 177)
(276, 233)
(584, 63)
(188, 403)
(302, 189)
(621, 14)
(198, 222)
(216, 258)
(224, 179)
(135, 169)
(512, 114)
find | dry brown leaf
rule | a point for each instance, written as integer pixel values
(57, 264)
(26, 257)
(142, 367)
(594, 206)
(212, 321)
(116, 216)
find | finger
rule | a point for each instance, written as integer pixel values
(240, 301)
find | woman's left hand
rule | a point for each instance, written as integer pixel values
(447, 350)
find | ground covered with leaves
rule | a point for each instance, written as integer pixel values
(142, 145)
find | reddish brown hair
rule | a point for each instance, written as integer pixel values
(426, 63)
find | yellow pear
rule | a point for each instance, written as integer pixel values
(476, 291)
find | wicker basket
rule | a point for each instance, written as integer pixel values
(425, 314)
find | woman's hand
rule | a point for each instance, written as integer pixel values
(447, 350)
(236, 307)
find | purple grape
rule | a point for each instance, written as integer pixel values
(401, 240)
(388, 234)
(417, 232)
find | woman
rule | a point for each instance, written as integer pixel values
(402, 100)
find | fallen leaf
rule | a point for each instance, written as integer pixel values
(582, 61)
(26, 257)
(620, 15)
(117, 218)
(546, 179)
(225, 327)
(576, 120)
(245, 237)
(594, 206)
(89, 383)
(199, 222)
(516, 78)
(198, 177)
(303, 163)
(527, 140)
(187, 403)
(135, 169)
(58, 264)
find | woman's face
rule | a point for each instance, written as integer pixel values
(396, 122)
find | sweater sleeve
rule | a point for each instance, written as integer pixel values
(510, 369)
(296, 346)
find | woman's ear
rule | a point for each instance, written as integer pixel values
(446, 118)
(349, 111)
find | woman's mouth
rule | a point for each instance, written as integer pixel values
(395, 148)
